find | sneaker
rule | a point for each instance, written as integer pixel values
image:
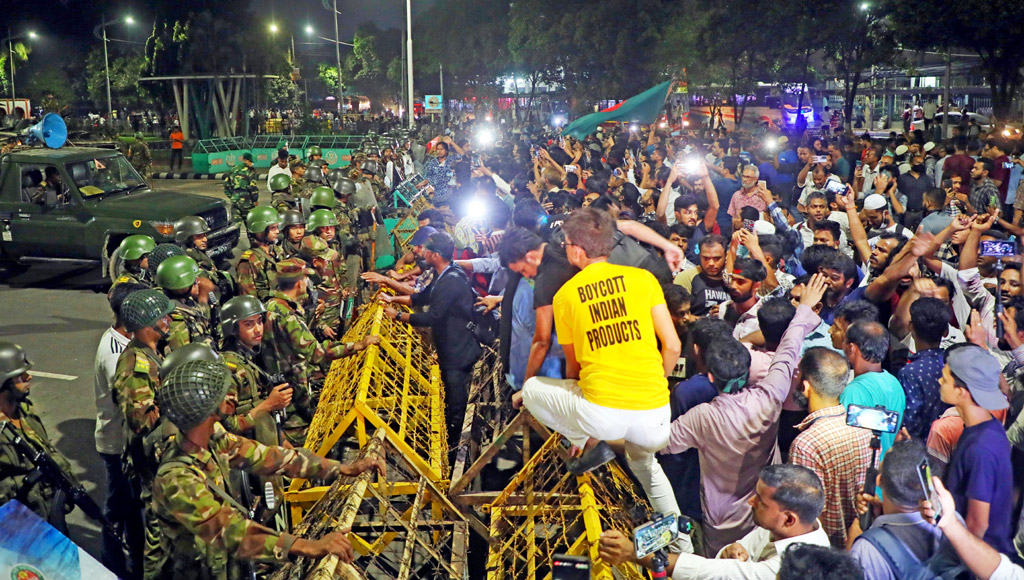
(591, 460)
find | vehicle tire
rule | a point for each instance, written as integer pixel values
(115, 264)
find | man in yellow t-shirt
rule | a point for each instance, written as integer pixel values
(609, 320)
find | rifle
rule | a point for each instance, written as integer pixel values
(45, 468)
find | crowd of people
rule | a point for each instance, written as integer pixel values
(726, 313)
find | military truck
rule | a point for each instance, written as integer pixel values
(76, 204)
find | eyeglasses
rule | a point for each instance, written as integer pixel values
(566, 244)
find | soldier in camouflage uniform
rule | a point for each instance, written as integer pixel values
(352, 250)
(191, 234)
(140, 157)
(160, 253)
(316, 158)
(293, 229)
(255, 268)
(331, 271)
(282, 198)
(242, 323)
(178, 277)
(134, 387)
(293, 351)
(19, 419)
(134, 252)
(210, 532)
(240, 188)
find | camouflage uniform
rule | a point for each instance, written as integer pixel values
(14, 468)
(127, 277)
(140, 158)
(240, 188)
(285, 200)
(330, 270)
(210, 535)
(248, 385)
(291, 349)
(190, 322)
(134, 387)
(255, 271)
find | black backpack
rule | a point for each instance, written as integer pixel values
(485, 326)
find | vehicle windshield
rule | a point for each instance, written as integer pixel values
(104, 175)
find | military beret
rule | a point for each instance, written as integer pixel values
(292, 269)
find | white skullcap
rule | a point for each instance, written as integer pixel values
(763, 228)
(875, 201)
(929, 146)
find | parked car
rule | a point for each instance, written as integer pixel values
(954, 120)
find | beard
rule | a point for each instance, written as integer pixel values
(737, 297)
(800, 399)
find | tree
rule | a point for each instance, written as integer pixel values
(991, 29)
(124, 78)
(860, 36)
(376, 54)
(50, 88)
(469, 37)
(21, 52)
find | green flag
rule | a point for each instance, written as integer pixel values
(642, 108)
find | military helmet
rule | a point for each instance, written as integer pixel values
(344, 186)
(144, 308)
(322, 196)
(280, 182)
(369, 166)
(161, 253)
(185, 353)
(192, 391)
(139, 136)
(238, 309)
(13, 361)
(177, 273)
(292, 217)
(135, 247)
(321, 218)
(314, 150)
(188, 227)
(313, 173)
(260, 218)
(335, 174)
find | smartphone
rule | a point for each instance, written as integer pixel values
(924, 474)
(997, 249)
(748, 225)
(569, 168)
(566, 567)
(617, 172)
(690, 166)
(873, 418)
(947, 184)
(762, 184)
(655, 535)
(820, 158)
(836, 187)
(858, 163)
(534, 152)
(1008, 165)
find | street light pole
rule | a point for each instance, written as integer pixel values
(337, 56)
(10, 45)
(106, 66)
(408, 52)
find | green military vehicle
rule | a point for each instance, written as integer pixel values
(76, 204)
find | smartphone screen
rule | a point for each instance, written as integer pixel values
(924, 474)
(655, 535)
(748, 225)
(762, 184)
(873, 418)
(564, 567)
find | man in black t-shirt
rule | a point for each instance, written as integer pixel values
(525, 253)
(708, 287)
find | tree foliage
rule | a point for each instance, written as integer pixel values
(21, 52)
(124, 78)
(992, 30)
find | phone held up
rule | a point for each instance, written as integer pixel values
(924, 475)
(873, 418)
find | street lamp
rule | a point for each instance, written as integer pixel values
(10, 46)
(864, 7)
(309, 29)
(273, 28)
(106, 58)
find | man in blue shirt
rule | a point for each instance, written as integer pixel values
(866, 346)
(929, 322)
(979, 472)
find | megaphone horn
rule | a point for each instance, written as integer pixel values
(51, 131)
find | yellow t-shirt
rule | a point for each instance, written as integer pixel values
(605, 313)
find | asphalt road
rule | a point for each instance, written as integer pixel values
(57, 314)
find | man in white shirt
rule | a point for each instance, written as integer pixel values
(279, 166)
(782, 519)
(110, 428)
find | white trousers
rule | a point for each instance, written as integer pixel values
(560, 405)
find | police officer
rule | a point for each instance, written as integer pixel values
(136, 381)
(293, 350)
(242, 322)
(178, 277)
(140, 157)
(209, 531)
(293, 229)
(18, 419)
(281, 197)
(240, 188)
(255, 268)
(134, 252)
(190, 233)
